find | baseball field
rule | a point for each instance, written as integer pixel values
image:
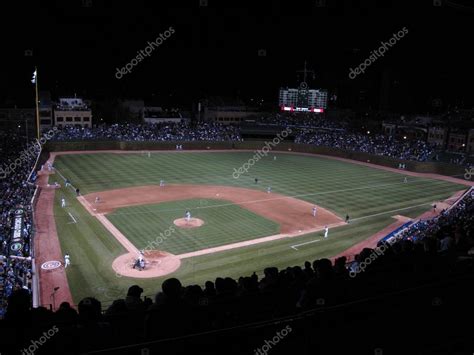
(237, 226)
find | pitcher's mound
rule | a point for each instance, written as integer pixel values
(192, 223)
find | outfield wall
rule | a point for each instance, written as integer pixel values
(420, 167)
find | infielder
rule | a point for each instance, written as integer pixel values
(187, 216)
(97, 199)
(314, 211)
(326, 231)
(67, 261)
(63, 202)
(162, 183)
(269, 189)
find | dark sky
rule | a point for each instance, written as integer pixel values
(214, 50)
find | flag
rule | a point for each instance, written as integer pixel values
(34, 78)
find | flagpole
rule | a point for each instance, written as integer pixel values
(37, 105)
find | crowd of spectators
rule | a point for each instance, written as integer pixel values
(315, 131)
(16, 191)
(300, 119)
(160, 132)
(451, 229)
(373, 144)
(421, 257)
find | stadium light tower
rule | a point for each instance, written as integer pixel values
(34, 80)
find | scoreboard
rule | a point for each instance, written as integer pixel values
(303, 99)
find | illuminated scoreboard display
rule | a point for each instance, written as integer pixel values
(303, 99)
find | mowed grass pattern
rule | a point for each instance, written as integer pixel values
(341, 187)
(223, 225)
(370, 196)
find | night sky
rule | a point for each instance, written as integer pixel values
(79, 44)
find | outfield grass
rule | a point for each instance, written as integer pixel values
(370, 196)
(223, 225)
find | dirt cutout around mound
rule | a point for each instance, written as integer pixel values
(192, 223)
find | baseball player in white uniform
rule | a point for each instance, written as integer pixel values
(97, 199)
(315, 210)
(326, 231)
(188, 216)
(162, 183)
(67, 261)
(269, 189)
(63, 202)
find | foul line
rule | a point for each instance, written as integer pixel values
(72, 187)
(385, 212)
(364, 217)
(70, 215)
(297, 245)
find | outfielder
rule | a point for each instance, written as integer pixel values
(326, 231)
(63, 202)
(67, 261)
